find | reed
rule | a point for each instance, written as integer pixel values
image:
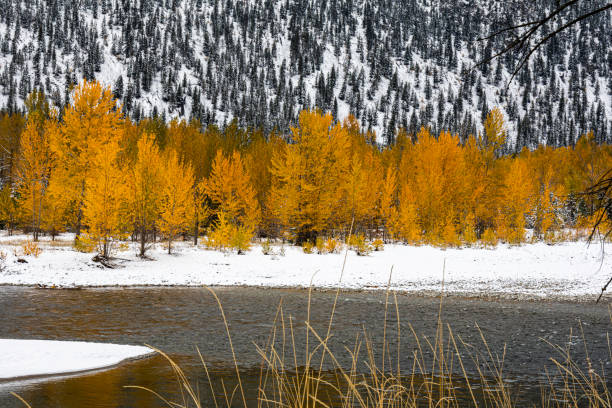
(437, 377)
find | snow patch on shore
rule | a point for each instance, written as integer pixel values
(29, 358)
(571, 269)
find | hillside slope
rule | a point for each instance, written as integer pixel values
(390, 63)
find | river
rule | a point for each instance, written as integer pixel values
(177, 320)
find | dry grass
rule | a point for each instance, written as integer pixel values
(437, 377)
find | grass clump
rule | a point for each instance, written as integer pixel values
(332, 245)
(359, 244)
(31, 248)
(266, 247)
(378, 244)
(308, 247)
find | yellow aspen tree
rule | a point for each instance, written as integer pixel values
(354, 203)
(305, 186)
(11, 128)
(258, 164)
(517, 194)
(547, 205)
(371, 187)
(437, 181)
(33, 174)
(404, 224)
(494, 138)
(35, 161)
(90, 123)
(449, 235)
(347, 177)
(388, 197)
(229, 189)
(145, 179)
(198, 151)
(54, 209)
(104, 201)
(176, 198)
(468, 229)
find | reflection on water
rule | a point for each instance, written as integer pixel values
(178, 320)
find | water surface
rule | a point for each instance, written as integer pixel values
(177, 320)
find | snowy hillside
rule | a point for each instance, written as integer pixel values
(390, 63)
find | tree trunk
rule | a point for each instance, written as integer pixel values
(196, 230)
(80, 213)
(143, 241)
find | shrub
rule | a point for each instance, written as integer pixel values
(240, 240)
(2, 261)
(307, 247)
(266, 247)
(84, 243)
(320, 245)
(31, 248)
(378, 244)
(358, 244)
(489, 239)
(332, 246)
(227, 236)
(219, 238)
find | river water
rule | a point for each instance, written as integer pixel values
(177, 320)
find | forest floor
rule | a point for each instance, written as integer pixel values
(565, 271)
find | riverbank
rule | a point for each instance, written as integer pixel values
(571, 270)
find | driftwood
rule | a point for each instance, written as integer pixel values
(104, 261)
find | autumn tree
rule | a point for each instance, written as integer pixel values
(36, 161)
(387, 200)
(176, 198)
(104, 200)
(198, 150)
(92, 123)
(304, 192)
(145, 178)
(230, 191)
(11, 128)
(517, 193)
(493, 140)
(435, 175)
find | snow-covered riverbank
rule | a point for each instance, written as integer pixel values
(30, 358)
(567, 270)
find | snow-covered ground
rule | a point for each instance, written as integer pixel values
(28, 358)
(567, 270)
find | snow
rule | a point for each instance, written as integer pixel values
(573, 270)
(28, 358)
